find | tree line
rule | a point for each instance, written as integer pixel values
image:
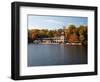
(72, 34)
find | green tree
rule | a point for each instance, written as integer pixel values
(71, 29)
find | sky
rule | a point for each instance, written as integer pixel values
(54, 22)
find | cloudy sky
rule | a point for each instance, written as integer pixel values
(54, 22)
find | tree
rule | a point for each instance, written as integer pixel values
(72, 38)
(50, 33)
(71, 34)
(43, 33)
(29, 36)
(71, 29)
(83, 34)
(34, 36)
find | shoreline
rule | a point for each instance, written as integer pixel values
(69, 44)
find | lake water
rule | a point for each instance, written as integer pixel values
(43, 55)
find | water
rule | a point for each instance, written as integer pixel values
(43, 55)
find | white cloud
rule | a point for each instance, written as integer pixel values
(54, 21)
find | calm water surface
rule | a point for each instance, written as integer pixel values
(43, 55)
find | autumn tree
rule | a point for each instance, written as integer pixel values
(83, 34)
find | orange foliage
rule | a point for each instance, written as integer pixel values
(72, 38)
(34, 36)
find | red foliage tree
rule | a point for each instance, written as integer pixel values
(72, 38)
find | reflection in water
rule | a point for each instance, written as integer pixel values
(43, 55)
